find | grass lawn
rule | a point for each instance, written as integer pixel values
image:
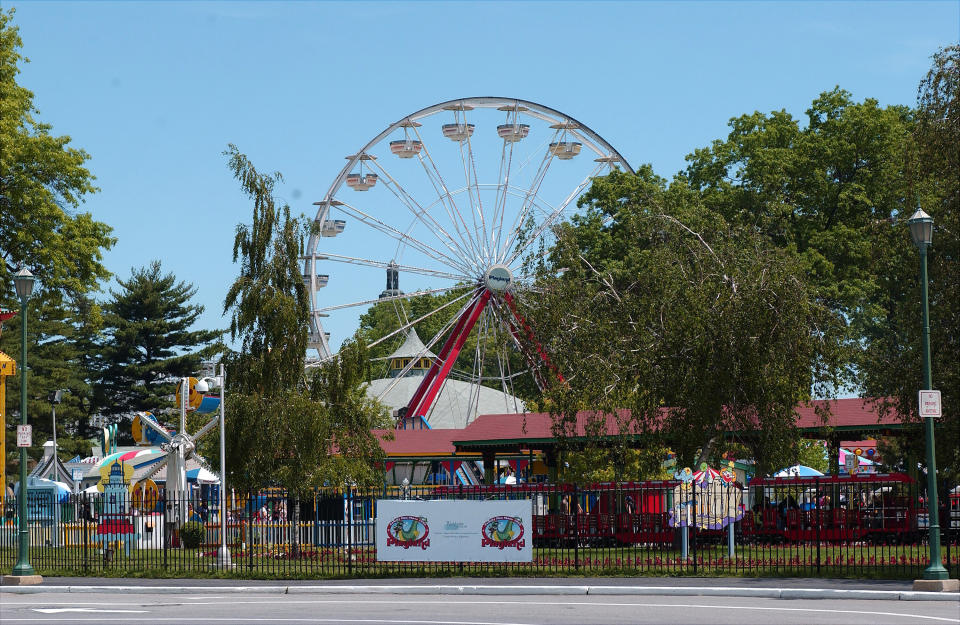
(276, 562)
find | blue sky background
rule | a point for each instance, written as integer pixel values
(155, 91)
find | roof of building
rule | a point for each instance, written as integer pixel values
(511, 431)
(418, 443)
(412, 347)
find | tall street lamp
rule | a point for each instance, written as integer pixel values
(23, 283)
(55, 398)
(223, 556)
(921, 230)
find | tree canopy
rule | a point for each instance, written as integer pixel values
(654, 301)
(890, 361)
(148, 342)
(285, 427)
(43, 183)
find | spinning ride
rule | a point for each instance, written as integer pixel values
(461, 199)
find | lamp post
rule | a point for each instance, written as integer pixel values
(55, 398)
(223, 555)
(23, 283)
(921, 230)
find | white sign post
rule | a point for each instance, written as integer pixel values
(930, 404)
(24, 436)
(455, 531)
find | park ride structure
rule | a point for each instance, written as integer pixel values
(178, 446)
(462, 198)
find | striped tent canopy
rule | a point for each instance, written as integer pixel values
(136, 458)
(707, 475)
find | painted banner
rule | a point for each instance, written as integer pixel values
(454, 531)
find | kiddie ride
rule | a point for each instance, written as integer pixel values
(178, 446)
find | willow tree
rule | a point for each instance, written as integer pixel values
(285, 427)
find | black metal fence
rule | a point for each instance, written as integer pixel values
(815, 527)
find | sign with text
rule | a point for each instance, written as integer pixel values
(24, 436)
(454, 531)
(930, 404)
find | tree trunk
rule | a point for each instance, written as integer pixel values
(295, 529)
(705, 452)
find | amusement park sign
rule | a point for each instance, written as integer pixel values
(454, 531)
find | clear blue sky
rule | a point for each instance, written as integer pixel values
(154, 91)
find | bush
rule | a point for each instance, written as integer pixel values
(192, 534)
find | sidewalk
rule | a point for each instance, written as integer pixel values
(785, 588)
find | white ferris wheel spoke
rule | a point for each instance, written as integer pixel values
(423, 216)
(402, 237)
(366, 262)
(410, 324)
(556, 212)
(480, 352)
(393, 298)
(443, 192)
(476, 202)
(434, 339)
(404, 328)
(503, 184)
(503, 364)
(528, 202)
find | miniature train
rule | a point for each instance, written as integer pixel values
(878, 508)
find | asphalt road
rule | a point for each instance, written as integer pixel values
(140, 606)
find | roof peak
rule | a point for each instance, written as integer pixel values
(412, 347)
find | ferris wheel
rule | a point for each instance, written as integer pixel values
(450, 204)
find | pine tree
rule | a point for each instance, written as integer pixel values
(149, 343)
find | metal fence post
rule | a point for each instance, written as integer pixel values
(249, 531)
(693, 534)
(350, 530)
(85, 513)
(819, 519)
(576, 527)
(166, 525)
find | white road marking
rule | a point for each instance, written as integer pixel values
(405, 621)
(97, 610)
(448, 601)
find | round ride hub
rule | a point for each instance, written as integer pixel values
(455, 205)
(498, 278)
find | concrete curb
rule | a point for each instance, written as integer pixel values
(670, 591)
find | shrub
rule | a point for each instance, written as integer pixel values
(191, 534)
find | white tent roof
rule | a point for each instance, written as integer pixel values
(452, 408)
(413, 347)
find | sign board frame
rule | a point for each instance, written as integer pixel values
(25, 435)
(454, 530)
(929, 403)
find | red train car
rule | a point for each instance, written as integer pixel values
(847, 508)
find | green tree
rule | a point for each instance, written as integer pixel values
(43, 182)
(284, 427)
(830, 191)
(891, 358)
(148, 342)
(662, 303)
